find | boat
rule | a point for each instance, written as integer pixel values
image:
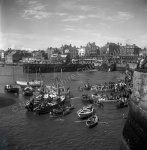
(70, 107)
(98, 99)
(121, 104)
(45, 107)
(99, 89)
(55, 115)
(28, 92)
(85, 112)
(86, 98)
(87, 86)
(33, 83)
(11, 88)
(33, 103)
(92, 121)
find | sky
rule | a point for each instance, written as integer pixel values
(39, 24)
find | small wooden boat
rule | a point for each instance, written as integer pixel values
(121, 104)
(66, 111)
(86, 98)
(11, 89)
(70, 107)
(85, 112)
(92, 121)
(28, 92)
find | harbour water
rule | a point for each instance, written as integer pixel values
(22, 130)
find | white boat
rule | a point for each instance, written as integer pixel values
(34, 83)
(92, 121)
(85, 112)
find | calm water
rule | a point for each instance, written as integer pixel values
(22, 130)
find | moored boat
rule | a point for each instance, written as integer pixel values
(121, 104)
(85, 112)
(92, 121)
(28, 91)
(11, 89)
(86, 98)
(33, 83)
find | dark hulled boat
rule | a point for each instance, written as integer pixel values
(28, 91)
(121, 104)
(11, 89)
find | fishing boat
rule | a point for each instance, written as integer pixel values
(33, 83)
(11, 88)
(86, 98)
(87, 86)
(92, 121)
(121, 104)
(33, 103)
(28, 92)
(85, 112)
(101, 88)
(70, 107)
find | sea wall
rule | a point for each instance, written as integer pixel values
(135, 129)
(47, 68)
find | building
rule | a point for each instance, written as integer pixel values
(122, 50)
(55, 58)
(38, 56)
(132, 50)
(50, 52)
(73, 51)
(91, 49)
(143, 52)
(2, 55)
(9, 57)
(110, 49)
(81, 51)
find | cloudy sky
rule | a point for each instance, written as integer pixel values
(38, 24)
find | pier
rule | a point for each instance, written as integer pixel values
(48, 68)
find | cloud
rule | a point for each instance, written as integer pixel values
(74, 18)
(119, 17)
(70, 29)
(38, 11)
(73, 5)
(35, 10)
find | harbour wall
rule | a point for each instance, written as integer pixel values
(48, 68)
(135, 129)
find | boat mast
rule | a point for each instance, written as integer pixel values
(13, 73)
(36, 74)
(28, 74)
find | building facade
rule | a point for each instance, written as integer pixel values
(91, 49)
(81, 51)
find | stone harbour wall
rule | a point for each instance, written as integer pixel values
(135, 129)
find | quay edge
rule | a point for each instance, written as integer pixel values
(50, 68)
(135, 128)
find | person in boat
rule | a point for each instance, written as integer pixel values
(87, 85)
(28, 87)
(80, 88)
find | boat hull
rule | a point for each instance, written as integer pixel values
(11, 89)
(31, 83)
(93, 123)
